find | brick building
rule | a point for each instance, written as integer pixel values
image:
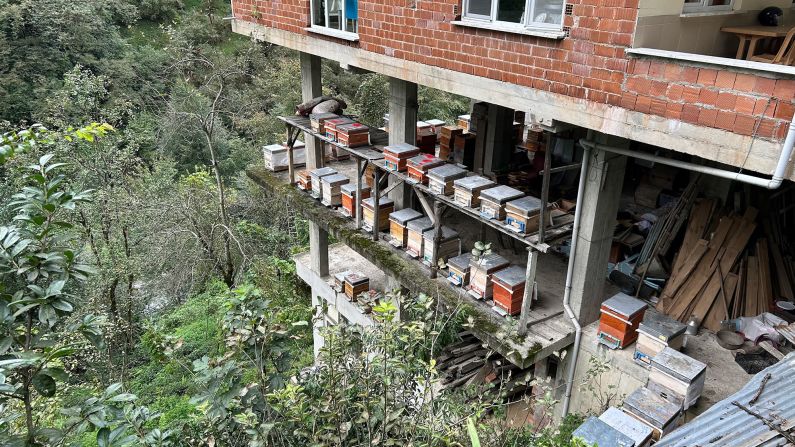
(652, 79)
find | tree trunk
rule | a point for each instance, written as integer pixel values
(228, 272)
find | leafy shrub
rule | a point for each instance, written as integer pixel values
(159, 10)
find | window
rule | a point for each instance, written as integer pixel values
(546, 14)
(707, 5)
(341, 15)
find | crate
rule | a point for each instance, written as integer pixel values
(449, 244)
(386, 206)
(398, 226)
(458, 269)
(509, 286)
(277, 158)
(349, 198)
(481, 271)
(316, 175)
(677, 378)
(620, 318)
(493, 200)
(467, 190)
(441, 178)
(416, 227)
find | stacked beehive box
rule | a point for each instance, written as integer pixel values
(449, 244)
(356, 284)
(416, 227)
(481, 271)
(446, 136)
(330, 126)
(677, 378)
(426, 138)
(662, 416)
(396, 156)
(436, 127)
(441, 178)
(398, 226)
(619, 321)
(509, 285)
(493, 200)
(639, 432)
(386, 207)
(419, 166)
(353, 135)
(655, 333)
(277, 158)
(349, 198)
(522, 215)
(464, 121)
(458, 269)
(332, 195)
(304, 180)
(468, 189)
(464, 149)
(316, 120)
(316, 175)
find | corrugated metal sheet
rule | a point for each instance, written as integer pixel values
(788, 332)
(726, 425)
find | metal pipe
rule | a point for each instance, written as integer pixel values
(586, 158)
(772, 183)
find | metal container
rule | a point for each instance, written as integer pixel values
(639, 432)
(501, 194)
(473, 183)
(404, 216)
(446, 173)
(598, 433)
(692, 325)
(661, 326)
(526, 206)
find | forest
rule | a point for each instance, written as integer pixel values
(148, 297)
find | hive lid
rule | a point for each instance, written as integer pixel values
(446, 173)
(512, 276)
(527, 205)
(424, 159)
(465, 117)
(322, 172)
(353, 128)
(420, 225)
(472, 183)
(597, 432)
(335, 179)
(501, 194)
(340, 277)
(350, 189)
(382, 203)
(401, 149)
(678, 365)
(338, 121)
(436, 123)
(405, 215)
(323, 116)
(489, 262)
(623, 304)
(423, 124)
(447, 234)
(274, 148)
(626, 424)
(356, 278)
(460, 262)
(660, 326)
(651, 408)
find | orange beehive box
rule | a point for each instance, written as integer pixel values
(349, 198)
(621, 316)
(330, 126)
(508, 289)
(418, 166)
(353, 135)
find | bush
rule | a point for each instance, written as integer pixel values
(159, 10)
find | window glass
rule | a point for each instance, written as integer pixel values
(548, 11)
(479, 7)
(335, 18)
(351, 16)
(511, 10)
(319, 11)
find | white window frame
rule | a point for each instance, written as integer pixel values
(526, 24)
(328, 30)
(704, 6)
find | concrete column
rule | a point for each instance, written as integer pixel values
(499, 139)
(311, 87)
(402, 129)
(318, 249)
(604, 181)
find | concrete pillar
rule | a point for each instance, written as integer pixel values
(318, 249)
(499, 145)
(402, 129)
(604, 181)
(311, 87)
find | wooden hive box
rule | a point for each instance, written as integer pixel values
(436, 126)
(464, 122)
(316, 120)
(348, 191)
(509, 285)
(493, 200)
(464, 149)
(304, 180)
(449, 244)
(416, 227)
(418, 166)
(396, 156)
(339, 281)
(662, 416)
(458, 269)
(656, 332)
(277, 158)
(356, 284)
(353, 135)
(426, 141)
(386, 205)
(522, 215)
(316, 175)
(441, 178)
(467, 190)
(332, 195)
(639, 432)
(330, 126)
(398, 226)
(677, 378)
(481, 271)
(619, 321)
(595, 432)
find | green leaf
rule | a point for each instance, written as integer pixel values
(103, 437)
(44, 384)
(47, 315)
(473, 433)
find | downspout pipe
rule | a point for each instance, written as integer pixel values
(772, 183)
(586, 159)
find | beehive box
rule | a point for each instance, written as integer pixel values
(304, 180)
(398, 226)
(480, 276)
(418, 166)
(332, 195)
(509, 285)
(277, 159)
(441, 178)
(677, 378)
(339, 281)
(656, 332)
(464, 149)
(467, 190)
(416, 228)
(396, 156)
(619, 321)
(436, 126)
(349, 198)
(493, 200)
(330, 126)
(522, 215)
(662, 416)
(449, 244)
(458, 269)
(316, 175)
(595, 432)
(639, 432)
(353, 135)
(426, 142)
(386, 206)
(464, 122)
(356, 284)
(316, 120)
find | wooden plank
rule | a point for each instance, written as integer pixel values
(782, 276)
(689, 262)
(719, 311)
(699, 219)
(738, 303)
(751, 287)
(765, 296)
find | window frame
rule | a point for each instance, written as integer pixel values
(526, 24)
(341, 33)
(704, 6)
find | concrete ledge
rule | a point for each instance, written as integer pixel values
(548, 34)
(751, 66)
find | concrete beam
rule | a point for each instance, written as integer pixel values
(402, 129)
(546, 107)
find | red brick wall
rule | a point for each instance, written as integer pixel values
(591, 64)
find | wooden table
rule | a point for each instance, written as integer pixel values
(752, 34)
